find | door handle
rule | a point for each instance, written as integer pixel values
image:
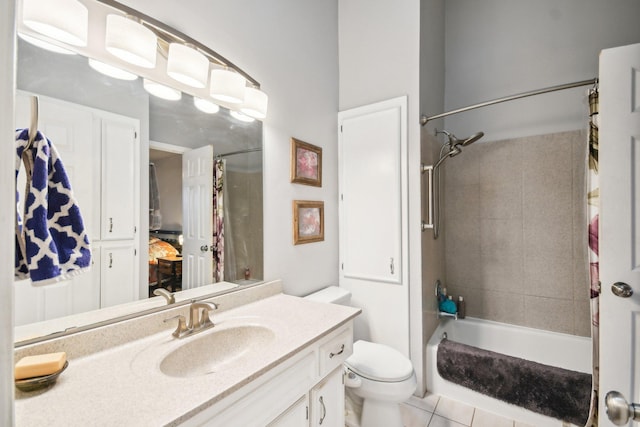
(204, 248)
(619, 411)
(324, 411)
(622, 290)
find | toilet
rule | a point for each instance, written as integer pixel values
(377, 374)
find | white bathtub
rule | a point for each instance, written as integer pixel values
(561, 350)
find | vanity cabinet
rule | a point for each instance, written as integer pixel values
(99, 151)
(307, 390)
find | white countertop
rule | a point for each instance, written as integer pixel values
(116, 387)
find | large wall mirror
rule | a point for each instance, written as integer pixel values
(188, 184)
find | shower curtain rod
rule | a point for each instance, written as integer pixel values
(424, 119)
(233, 153)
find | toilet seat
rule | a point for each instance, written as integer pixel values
(378, 362)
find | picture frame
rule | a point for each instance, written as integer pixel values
(306, 163)
(308, 221)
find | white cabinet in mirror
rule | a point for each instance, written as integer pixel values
(102, 127)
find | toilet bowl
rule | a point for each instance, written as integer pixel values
(378, 374)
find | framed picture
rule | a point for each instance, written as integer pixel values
(308, 221)
(306, 163)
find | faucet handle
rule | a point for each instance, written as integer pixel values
(182, 325)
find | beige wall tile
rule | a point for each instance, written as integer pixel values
(550, 314)
(515, 231)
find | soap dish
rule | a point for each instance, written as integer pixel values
(36, 383)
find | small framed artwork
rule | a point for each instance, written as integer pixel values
(308, 221)
(306, 163)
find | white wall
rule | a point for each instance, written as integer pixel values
(291, 48)
(7, 210)
(380, 60)
(496, 48)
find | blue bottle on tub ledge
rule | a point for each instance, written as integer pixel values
(448, 306)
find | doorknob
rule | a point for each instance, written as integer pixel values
(204, 248)
(621, 289)
(619, 411)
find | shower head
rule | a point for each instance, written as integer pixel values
(473, 138)
(455, 142)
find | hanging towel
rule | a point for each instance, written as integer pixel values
(51, 241)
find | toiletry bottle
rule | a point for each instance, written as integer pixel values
(461, 308)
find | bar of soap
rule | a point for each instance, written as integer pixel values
(39, 365)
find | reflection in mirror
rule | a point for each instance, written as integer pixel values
(86, 114)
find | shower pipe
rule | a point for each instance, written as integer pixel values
(424, 119)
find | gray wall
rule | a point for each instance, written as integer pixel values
(496, 48)
(515, 215)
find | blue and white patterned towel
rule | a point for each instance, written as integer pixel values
(51, 241)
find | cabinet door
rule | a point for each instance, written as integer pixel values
(119, 179)
(371, 203)
(118, 273)
(327, 401)
(296, 416)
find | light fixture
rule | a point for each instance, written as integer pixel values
(111, 70)
(255, 103)
(186, 65)
(62, 20)
(227, 86)
(241, 116)
(45, 44)
(205, 106)
(129, 40)
(161, 91)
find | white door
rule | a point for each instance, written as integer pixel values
(619, 160)
(197, 217)
(296, 416)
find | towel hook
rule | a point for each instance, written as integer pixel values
(33, 125)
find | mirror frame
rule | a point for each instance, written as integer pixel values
(98, 9)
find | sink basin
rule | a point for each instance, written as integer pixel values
(216, 350)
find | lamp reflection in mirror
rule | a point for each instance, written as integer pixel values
(241, 116)
(111, 70)
(227, 86)
(186, 65)
(43, 44)
(161, 91)
(205, 106)
(255, 103)
(130, 41)
(62, 20)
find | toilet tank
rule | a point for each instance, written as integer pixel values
(331, 294)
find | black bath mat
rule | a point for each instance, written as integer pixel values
(547, 390)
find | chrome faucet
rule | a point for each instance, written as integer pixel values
(166, 294)
(198, 319)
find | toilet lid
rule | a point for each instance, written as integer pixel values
(379, 362)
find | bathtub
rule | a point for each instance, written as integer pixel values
(550, 348)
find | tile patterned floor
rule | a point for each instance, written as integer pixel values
(436, 411)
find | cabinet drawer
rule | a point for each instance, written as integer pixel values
(336, 350)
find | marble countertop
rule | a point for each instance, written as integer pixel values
(122, 385)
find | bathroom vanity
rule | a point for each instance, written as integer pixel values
(276, 360)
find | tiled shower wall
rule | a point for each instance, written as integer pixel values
(514, 224)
